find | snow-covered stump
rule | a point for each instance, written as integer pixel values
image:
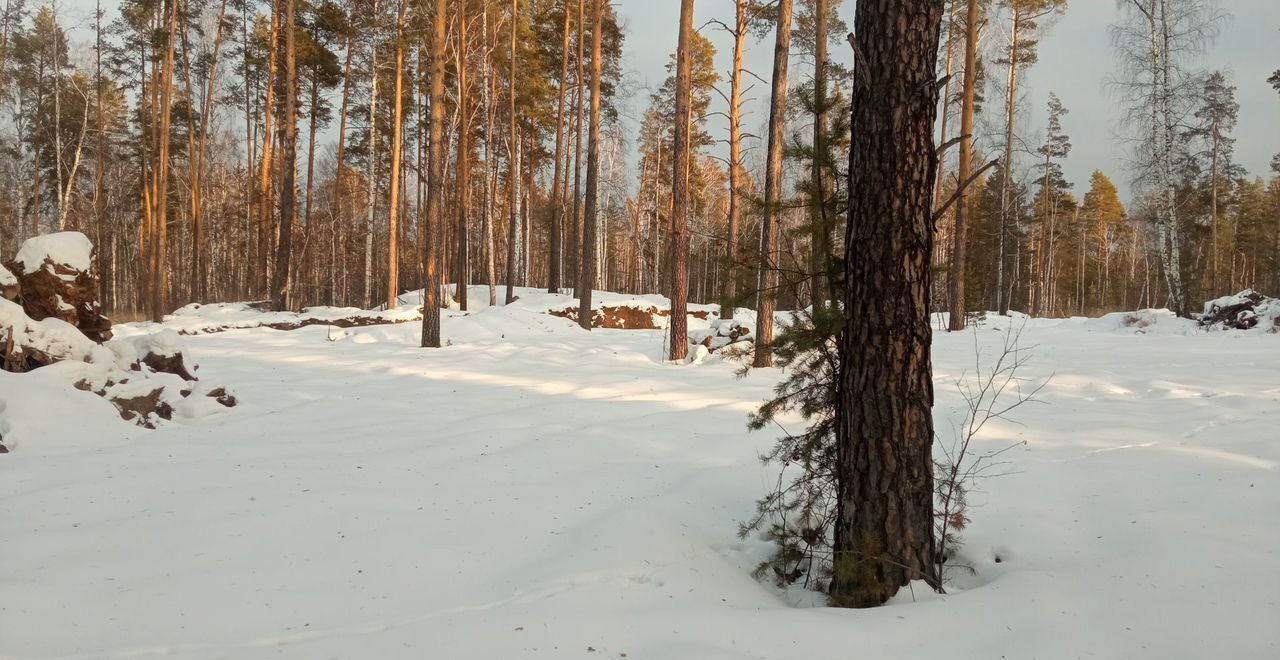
(1243, 311)
(55, 279)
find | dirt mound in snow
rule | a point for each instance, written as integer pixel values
(55, 279)
(1246, 310)
(627, 317)
(619, 317)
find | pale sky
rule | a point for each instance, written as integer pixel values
(1075, 58)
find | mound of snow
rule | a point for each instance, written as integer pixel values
(68, 248)
(1142, 322)
(198, 318)
(26, 343)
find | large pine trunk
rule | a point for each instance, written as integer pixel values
(288, 127)
(735, 159)
(590, 208)
(884, 534)
(462, 268)
(961, 231)
(767, 280)
(680, 192)
(555, 262)
(435, 183)
(397, 160)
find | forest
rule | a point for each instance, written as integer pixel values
(405, 328)
(294, 163)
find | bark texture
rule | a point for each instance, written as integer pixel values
(960, 234)
(767, 282)
(680, 191)
(435, 182)
(884, 534)
(593, 175)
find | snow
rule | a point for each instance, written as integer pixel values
(215, 317)
(50, 336)
(1142, 322)
(533, 490)
(70, 248)
(7, 278)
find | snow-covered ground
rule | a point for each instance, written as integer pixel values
(536, 491)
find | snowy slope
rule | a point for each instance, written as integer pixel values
(537, 491)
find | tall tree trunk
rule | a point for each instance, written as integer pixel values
(593, 173)
(735, 159)
(281, 280)
(1011, 100)
(463, 265)
(679, 295)
(371, 194)
(959, 235)
(768, 277)
(105, 255)
(884, 531)
(265, 202)
(1213, 203)
(513, 171)
(340, 201)
(251, 246)
(491, 169)
(435, 182)
(821, 249)
(199, 259)
(397, 158)
(556, 249)
(575, 247)
(160, 195)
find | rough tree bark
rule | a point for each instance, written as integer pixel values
(160, 194)
(593, 174)
(575, 239)
(397, 158)
(821, 250)
(556, 264)
(435, 182)
(884, 533)
(767, 281)
(513, 168)
(735, 157)
(959, 234)
(289, 161)
(463, 265)
(680, 191)
(265, 201)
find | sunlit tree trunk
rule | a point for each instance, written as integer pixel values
(679, 339)
(593, 174)
(769, 260)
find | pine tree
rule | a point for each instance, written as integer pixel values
(1218, 114)
(767, 280)
(1104, 213)
(682, 151)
